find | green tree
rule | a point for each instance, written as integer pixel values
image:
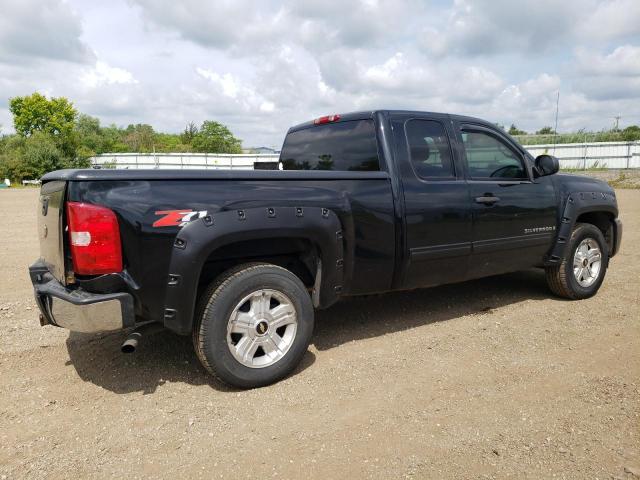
(189, 133)
(88, 125)
(140, 138)
(545, 131)
(170, 142)
(89, 135)
(42, 155)
(631, 133)
(513, 130)
(12, 158)
(214, 137)
(113, 140)
(31, 157)
(35, 112)
(54, 117)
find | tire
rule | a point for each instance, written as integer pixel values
(563, 279)
(253, 325)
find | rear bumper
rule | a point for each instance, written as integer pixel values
(617, 236)
(77, 309)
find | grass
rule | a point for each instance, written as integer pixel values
(589, 169)
(625, 180)
(17, 186)
(577, 137)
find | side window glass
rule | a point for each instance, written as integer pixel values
(489, 158)
(429, 149)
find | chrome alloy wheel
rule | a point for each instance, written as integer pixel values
(587, 262)
(262, 328)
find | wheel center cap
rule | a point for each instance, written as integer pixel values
(261, 327)
(585, 262)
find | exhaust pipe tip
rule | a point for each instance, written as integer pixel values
(131, 343)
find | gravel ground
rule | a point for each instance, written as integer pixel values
(493, 378)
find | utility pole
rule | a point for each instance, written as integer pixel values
(555, 129)
(617, 119)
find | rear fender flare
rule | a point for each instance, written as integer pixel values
(196, 241)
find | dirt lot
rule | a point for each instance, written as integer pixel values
(489, 379)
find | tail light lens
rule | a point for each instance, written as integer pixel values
(94, 237)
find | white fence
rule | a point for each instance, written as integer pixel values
(591, 155)
(571, 155)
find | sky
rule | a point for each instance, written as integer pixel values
(260, 67)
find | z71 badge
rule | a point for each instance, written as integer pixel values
(177, 218)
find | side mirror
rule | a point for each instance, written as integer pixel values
(547, 165)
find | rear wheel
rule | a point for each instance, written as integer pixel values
(253, 325)
(583, 268)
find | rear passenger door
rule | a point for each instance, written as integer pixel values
(437, 213)
(514, 215)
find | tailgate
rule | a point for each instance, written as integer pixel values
(50, 228)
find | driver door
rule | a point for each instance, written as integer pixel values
(513, 215)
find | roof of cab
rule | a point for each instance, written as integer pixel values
(363, 115)
(345, 117)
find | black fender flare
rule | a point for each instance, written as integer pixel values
(576, 204)
(197, 240)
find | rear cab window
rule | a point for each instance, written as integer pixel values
(429, 149)
(341, 146)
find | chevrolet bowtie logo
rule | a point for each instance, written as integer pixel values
(262, 327)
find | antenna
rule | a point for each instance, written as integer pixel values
(555, 129)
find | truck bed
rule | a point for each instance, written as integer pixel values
(362, 201)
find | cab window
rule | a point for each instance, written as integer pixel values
(490, 158)
(429, 149)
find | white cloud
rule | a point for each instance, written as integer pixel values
(267, 106)
(227, 83)
(241, 94)
(385, 75)
(30, 30)
(609, 76)
(611, 19)
(490, 27)
(260, 67)
(622, 61)
(103, 74)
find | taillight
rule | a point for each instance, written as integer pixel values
(326, 119)
(94, 237)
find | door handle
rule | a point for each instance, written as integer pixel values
(487, 199)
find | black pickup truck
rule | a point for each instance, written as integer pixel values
(363, 203)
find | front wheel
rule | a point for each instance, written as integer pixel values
(253, 325)
(582, 270)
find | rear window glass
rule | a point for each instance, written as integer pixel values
(343, 146)
(429, 149)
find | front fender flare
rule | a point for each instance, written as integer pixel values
(575, 205)
(197, 240)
